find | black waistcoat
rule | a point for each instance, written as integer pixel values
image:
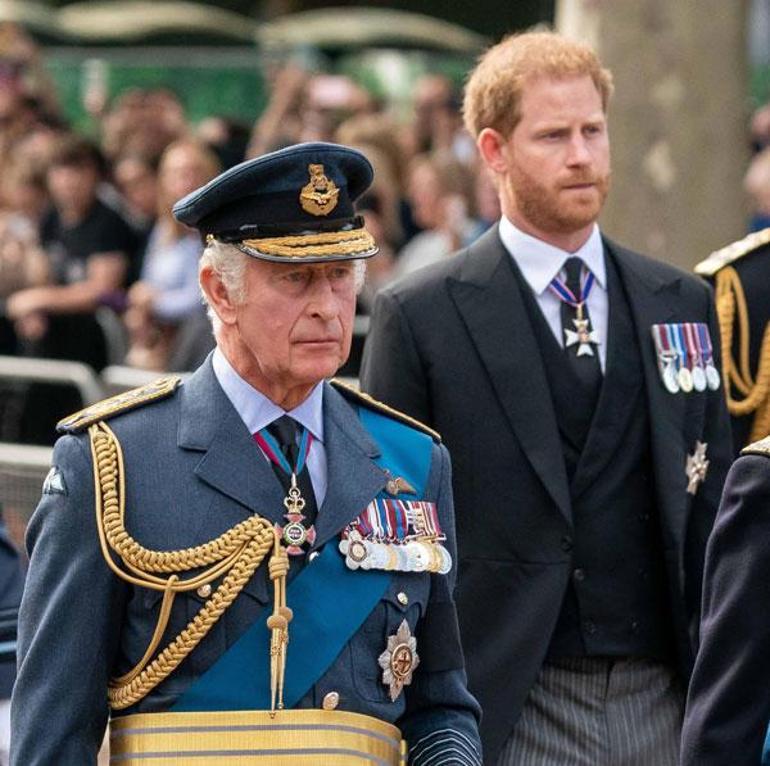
(616, 603)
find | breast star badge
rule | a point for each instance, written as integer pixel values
(399, 660)
(583, 335)
(697, 466)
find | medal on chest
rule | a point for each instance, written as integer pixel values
(396, 535)
(583, 336)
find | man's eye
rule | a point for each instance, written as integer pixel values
(295, 277)
(340, 272)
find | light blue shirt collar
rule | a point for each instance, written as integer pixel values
(540, 262)
(257, 411)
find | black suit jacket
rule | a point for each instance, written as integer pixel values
(451, 345)
(728, 706)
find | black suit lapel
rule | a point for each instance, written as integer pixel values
(487, 297)
(654, 300)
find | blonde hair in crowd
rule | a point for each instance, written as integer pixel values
(494, 88)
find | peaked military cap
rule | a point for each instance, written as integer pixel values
(295, 204)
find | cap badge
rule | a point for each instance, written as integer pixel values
(319, 196)
(399, 660)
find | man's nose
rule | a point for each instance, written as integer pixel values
(578, 152)
(324, 302)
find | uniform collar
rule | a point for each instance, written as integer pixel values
(540, 262)
(257, 411)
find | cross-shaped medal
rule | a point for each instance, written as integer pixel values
(697, 465)
(583, 335)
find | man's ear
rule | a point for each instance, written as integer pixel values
(217, 295)
(491, 146)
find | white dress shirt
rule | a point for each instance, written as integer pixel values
(540, 262)
(257, 411)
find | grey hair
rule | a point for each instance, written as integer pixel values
(229, 264)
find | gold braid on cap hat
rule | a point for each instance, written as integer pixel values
(312, 245)
(236, 554)
(730, 299)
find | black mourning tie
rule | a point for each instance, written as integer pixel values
(586, 366)
(284, 429)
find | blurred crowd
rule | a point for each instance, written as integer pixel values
(93, 266)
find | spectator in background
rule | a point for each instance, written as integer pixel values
(305, 107)
(226, 137)
(379, 271)
(328, 101)
(760, 128)
(90, 247)
(438, 124)
(375, 136)
(756, 183)
(26, 94)
(136, 179)
(439, 189)
(24, 193)
(167, 292)
(143, 122)
(280, 123)
(23, 265)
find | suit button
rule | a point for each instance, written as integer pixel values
(634, 626)
(590, 628)
(330, 701)
(402, 598)
(204, 591)
(566, 543)
(578, 575)
(312, 556)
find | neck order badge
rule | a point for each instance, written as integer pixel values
(294, 533)
(582, 336)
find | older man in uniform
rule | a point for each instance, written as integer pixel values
(189, 531)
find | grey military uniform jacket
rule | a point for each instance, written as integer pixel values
(192, 472)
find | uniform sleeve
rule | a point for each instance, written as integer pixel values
(69, 623)
(391, 369)
(717, 437)
(728, 704)
(441, 719)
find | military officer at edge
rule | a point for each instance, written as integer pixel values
(256, 562)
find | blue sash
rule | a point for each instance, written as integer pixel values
(330, 603)
(766, 749)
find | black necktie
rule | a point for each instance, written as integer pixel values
(586, 366)
(284, 429)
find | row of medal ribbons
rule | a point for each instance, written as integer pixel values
(396, 535)
(685, 357)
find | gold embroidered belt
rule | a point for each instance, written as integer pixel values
(241, 737)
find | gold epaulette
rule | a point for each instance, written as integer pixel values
(726, 255)
(369, 401)
(115, 405)
(762, 447)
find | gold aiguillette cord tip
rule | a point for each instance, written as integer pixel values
(278, 624)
